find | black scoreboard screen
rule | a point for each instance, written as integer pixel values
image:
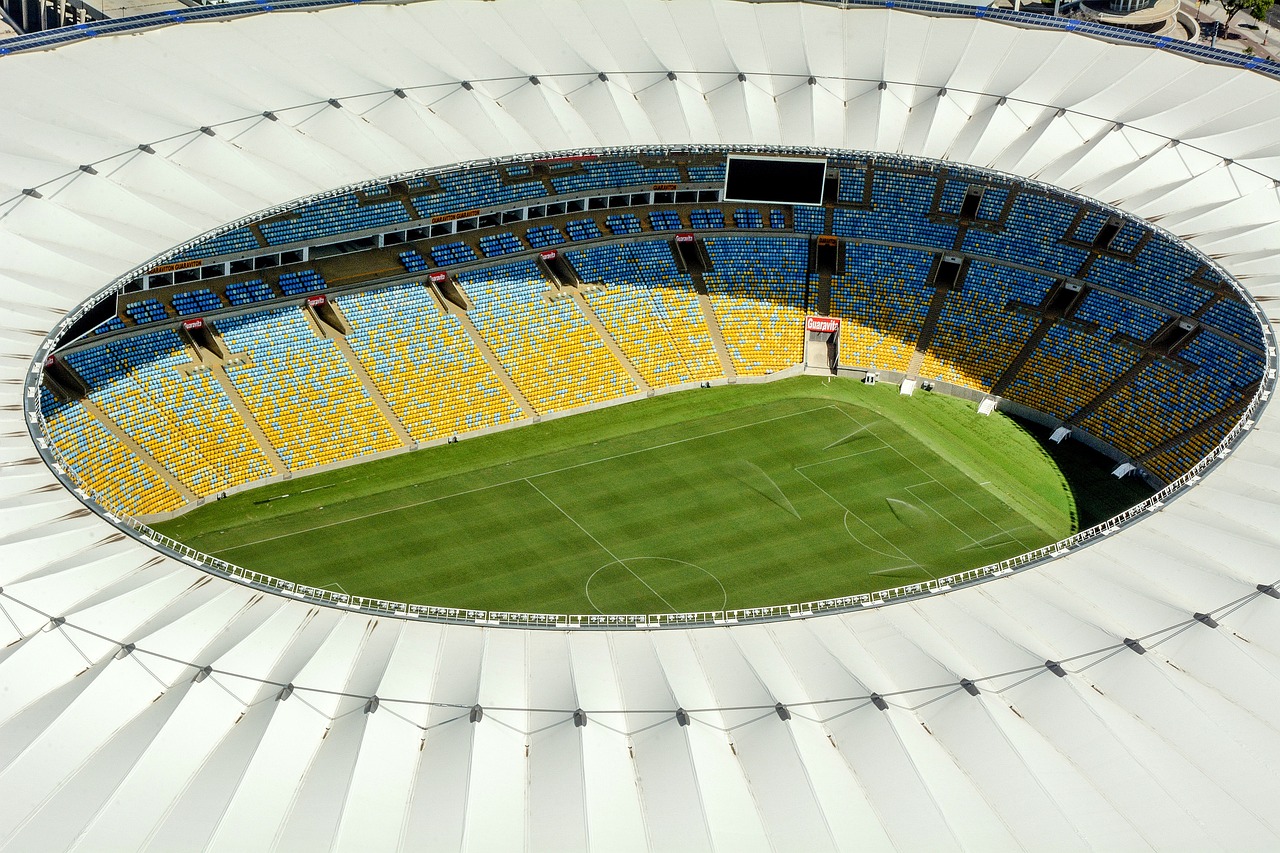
(775, 180)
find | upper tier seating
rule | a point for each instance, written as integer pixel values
(954, 191)
(712, 173)
(301, 391)
(758, 289)
(1030, 235)
(336, 215)
(1159, 275)
(475, 189)
(900, 207)
(599, 174)
(148, 385)
(424, 363)
(550, 351)
(650, 309)
(233, 241)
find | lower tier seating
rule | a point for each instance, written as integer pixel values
(651, 310)
(759, 291)
(424, 363)
(101, 464)
(550, 351)
(175, 409)
(883, 300)
(977, 336)
(1067, 369)
(301, 391)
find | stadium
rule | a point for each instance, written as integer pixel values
(290, 264)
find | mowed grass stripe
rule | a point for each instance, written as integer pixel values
(423, 502)
(747, 495)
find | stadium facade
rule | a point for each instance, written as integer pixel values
(1121, 696)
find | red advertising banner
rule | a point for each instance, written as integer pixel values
(548, 255)
(822, 324)
(48, 362)
(684, 238)
(318, 299)
(190, 325)
(437, 277)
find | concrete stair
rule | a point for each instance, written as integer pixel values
(138, 450)
(609, 342)
(366, 381)
(717, 336)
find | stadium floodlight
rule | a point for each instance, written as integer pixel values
(682, 717)
(579, 718)
(1134, 646)
(878, 701)
(202, 673)
(782, 711)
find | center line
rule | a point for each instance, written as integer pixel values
(612, 555)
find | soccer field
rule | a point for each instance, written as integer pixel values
(730, 497)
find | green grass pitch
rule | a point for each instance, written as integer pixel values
(739, 496)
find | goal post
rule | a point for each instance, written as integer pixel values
(822, 343)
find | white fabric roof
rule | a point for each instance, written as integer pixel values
(1177, 748)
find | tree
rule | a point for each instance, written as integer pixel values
(1257, 9)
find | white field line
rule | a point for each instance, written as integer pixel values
(602, 547)
(511, 482)
(960, 498)
(934, 510)
(849, 512)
